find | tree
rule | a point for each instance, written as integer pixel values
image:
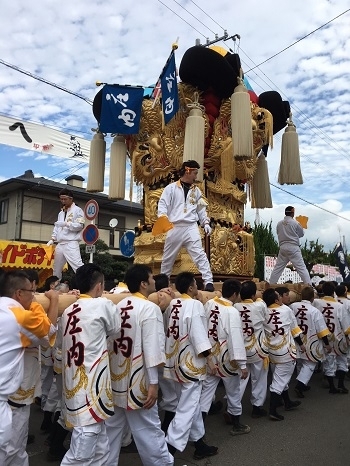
(313, 254)
(112, 267)
(265, 245)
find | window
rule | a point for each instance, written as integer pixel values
(50, 211)
(4, 210)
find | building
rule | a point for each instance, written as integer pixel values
(29, 207)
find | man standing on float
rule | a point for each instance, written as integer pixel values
(182, 203)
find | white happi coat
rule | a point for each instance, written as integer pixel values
(186, 338)
(314, 328)
(137, 347)
(280, 329)
(31, 385)
(253, 315)
(86, 376)
(338, 322)
(225, 335)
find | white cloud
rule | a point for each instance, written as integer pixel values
(74, 45)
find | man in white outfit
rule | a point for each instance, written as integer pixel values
(182, 203)
(289, 231)
(67, 234)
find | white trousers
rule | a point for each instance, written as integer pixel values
(186, 237)
(67, 252)
(188, 422)
(16, 454)
(5, 428)
(54, 397)
(305, 370)
(233, 393)
(334, 362)
(167, 387)
(258, 380)
(148, 436)
(88, 446)
(290, 253)
(46, 382)
(281, 375)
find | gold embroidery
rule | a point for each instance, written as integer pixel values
(253, 341)
(276, 347)
(175, 350)
(216, 349)
(83, 382)
(21, 394)
(118, 377)
(195, 370)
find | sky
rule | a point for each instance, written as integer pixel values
(76, 44)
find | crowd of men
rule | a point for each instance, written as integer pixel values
(108, 361)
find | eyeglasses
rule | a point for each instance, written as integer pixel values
(24, 289)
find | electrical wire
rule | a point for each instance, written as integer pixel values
(310, 203)
(299, 40)
(39, 78)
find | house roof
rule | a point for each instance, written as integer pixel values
(28, 182)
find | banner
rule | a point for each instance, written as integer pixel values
(342, 262)
(319, 271)
(40, 138)
(121, 109)
(25, 255)
(170, 97)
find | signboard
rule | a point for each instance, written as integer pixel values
(91, 209)
(25, 255)
(127, 243)
(328, 272)
(90, 249)
(90, 234)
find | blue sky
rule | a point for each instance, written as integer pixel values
(76, 44)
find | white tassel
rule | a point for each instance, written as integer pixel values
(241, 123)
(290, 172)
(96, 173)
(194, 135)
(117, 169)
(260, 187)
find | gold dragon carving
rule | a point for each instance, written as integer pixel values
(156, 154)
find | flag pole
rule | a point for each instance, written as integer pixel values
(157, 91)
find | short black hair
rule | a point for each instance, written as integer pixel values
(189, 164)
(136, 274)
(230, 287)
(281, 290)
(328, 288)
(308, 293)
(48, 282)
(248, 289)
(161, 281)
(269, 296)
(340, 290)
(289, 210)
(12, 281)
(87, 276)
(66, 192)
(183, 281)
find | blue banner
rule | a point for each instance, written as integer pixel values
(121, 109)
(170, 97)
(342, 262)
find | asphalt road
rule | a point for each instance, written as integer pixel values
(317, 433)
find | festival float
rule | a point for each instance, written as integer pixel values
(206, 112)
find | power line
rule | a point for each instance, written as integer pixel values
(39, 78)
(299, 40)
(310, 203)
(191, 26)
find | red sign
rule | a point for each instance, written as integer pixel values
(90, 234)
(91, 209)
